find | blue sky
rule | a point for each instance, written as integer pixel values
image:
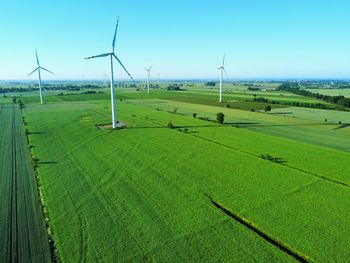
(261, 38)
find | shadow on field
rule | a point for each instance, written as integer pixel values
(146, 127)
(242, 123)
(46, 162)
(196, 126)
(281, 113)
(290, 125)
(342, 126)
(176, 127)
(33, 133)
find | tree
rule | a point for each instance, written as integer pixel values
(170, 125)
(210, 84)
(268, 108)
(220, 117)
(194, 115)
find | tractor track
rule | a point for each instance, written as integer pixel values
(249, 225)
(19, 223)
(13, 219)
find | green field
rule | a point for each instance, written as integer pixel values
(23, 236)
(199, 192)
(332, 92)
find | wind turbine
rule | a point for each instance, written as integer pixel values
(105, 79)
(39, 76)
(148, 76)
(112, 55)
(222, 71)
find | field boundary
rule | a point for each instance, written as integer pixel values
(249, 153)
(53, 250)
(246, 223)
(282, 164)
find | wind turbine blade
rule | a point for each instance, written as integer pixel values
(123, 66)
(47, 70)
(150, 68)
(37, 58)
(223, 60)
(100, 56)
(115, 34)
(220, 68)
(33, 71)
(146, 69)
(225, 72)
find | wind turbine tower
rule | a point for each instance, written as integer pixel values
(222, 71)
(112, 55)
(39, 76)
(148, 76)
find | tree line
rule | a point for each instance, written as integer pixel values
(49, 87)
(339, 100)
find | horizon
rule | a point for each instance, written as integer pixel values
(230, 80)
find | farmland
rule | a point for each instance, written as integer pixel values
(262, 186)
(174, 131)
(23, 236)
(332, 92)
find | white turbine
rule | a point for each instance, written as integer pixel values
(222, 71)
(39, 76)
(111, 55)
(148, 76)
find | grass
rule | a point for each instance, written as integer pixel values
(332, 92)
(105, 184)
(297, 124)
(141, 193)
(23, 234)
(198, 192)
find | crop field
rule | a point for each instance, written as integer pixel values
(267, 187)
(332, 92)
(23, 235)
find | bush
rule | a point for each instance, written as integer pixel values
(173, 87)
(21, 105)
(35, 162)
(210, 84)
(89, 92)
(268, 108)
(170, 125)
(261, 100)
(220, 117)
(194, 115)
